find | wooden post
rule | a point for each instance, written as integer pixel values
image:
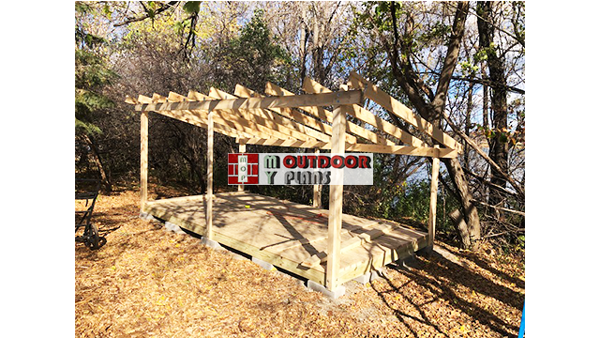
(242, 149)
(435, 171)
(335, 202)
(209, 179)
(317, 188)
(143, 160)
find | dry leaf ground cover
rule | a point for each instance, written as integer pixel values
(148, 282)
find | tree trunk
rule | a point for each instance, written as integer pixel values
(304, 34)
(468, 121)
(461, 227)
(412, 85)
(498, 143)
(95, 157)
(469, 209)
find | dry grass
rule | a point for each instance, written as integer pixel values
(149, 282)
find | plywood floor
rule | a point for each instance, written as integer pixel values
(288, 234)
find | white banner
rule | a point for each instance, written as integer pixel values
(302, 169)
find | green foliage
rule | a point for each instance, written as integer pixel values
(192, 7)
(92, 74)
(413, 201)
(253, 58)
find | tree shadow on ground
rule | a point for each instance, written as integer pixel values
(440, 276)
(482, 263)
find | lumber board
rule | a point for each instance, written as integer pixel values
(403, 150)
(435, 171)
(397, 108)
(286, 143)
(361, 147)
(348, 245)
(309, 120)
(312, 86)
(143, 159)
(327, 116)
(201, 121)
(209, 176)
(249, 124)
(291, 237)
(383, 252)
(283, 116)
(305, 100)
(197, 119)
(335, 202)
(270, 120)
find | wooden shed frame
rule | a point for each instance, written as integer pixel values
(288, 120)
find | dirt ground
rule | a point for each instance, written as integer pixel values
(147, 282)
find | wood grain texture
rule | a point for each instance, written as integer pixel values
(143, 159)
(285, 234)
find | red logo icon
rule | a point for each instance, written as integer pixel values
(242, 169)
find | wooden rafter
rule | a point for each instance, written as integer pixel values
(234, 120)
(197, 119)
(397, 108)
(284, 116)
(311, 86)
(326, 115)
(255, 119)
(307, 100)
(223, 127)
(269, 119)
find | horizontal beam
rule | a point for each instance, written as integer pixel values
(403, 150)
(360, 147)
(307, 100)
(232, 117)
(285, 143)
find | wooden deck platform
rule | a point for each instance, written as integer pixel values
(291, 236)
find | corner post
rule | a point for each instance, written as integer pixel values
(242, 150)
(336, 192)
(143, 160)
(209, 179)
(317, 188)
(435, 171)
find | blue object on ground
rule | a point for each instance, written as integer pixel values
(522, 328)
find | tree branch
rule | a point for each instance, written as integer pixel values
(458, 30)
(147, 15)
(499, 208)
(472, 143)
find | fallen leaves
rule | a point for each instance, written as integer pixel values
(148, 282)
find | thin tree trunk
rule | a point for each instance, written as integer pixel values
(95, 157)
(468, 121)
(498, 143)
(304, 34)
